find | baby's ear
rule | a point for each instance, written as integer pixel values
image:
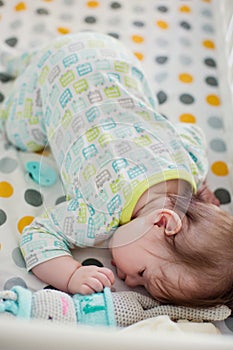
(166, 218)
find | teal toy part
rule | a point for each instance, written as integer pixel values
(17, 301)
(43, 174)
(95, 309)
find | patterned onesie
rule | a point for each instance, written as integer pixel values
(87, 97)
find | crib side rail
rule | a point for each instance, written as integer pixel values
(224, 17)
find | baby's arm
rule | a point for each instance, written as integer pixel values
(47, 242)
(68, 275)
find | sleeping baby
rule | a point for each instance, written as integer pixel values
(134, 182)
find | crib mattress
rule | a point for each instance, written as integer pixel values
(179, 45)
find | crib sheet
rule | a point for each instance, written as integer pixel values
(178, 43)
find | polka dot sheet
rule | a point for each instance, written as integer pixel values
(177, 43)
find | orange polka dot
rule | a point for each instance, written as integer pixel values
(63, 30)
(220, 168)
(6, 190)
(187, 118)
(137, 39)
(24, 221)
(213, 100)
(21, 6)
(185, 8)
(162, 24)
(48, 0)
(206, 0)
(209, 44)
(139, 55)
(185, 78)
(92, 3)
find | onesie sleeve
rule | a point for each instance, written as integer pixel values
(194, 142)
(68, 225)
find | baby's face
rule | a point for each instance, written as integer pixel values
(145, 259)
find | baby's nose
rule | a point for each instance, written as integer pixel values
(131, 281)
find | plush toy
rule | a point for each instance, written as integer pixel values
(99, 309)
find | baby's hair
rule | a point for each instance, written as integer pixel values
(204, 248)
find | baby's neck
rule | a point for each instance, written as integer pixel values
(155, 196)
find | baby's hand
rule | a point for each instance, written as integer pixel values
(90, 279)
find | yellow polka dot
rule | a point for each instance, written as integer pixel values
(24, 221)
(162, 24)
(185, 78)
(209, 44)
(92, 3)
(137, 39)
(187, 118)
(6, 190)
(139, 55)
(185, 8)
(206, 0)
(21, 6)
(213, 100)
(63, 30)
(220, 168)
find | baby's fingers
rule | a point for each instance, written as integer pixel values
(109, 274)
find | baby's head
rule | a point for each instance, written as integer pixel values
(181, 254)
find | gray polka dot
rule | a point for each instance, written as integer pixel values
(218, 145)
(114, 35)
(42, 11)
(66, 17)
(18, 258)
(1, 97)
(5, 77)
(11, 41)
(162, 8)
(14, 281)
(90, 19)
(161, 59)
(215, 122)
(223, 195)
(185, 60)
(185, 25)
(162, 42)
(68, 2)
(39, 28)
(115, 5)
(33, 198)
(206, 13)
(138, 9)
(161, 77)
(114, 21)
(211, 81)
(187, 99)
(16, 24)
(139, 24)
(185, 42)
(162, 97)
(8, 165)
(210, 62)
(3, 217)
(60, 200)
(208, 28)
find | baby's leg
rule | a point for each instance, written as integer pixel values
(22, 113)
